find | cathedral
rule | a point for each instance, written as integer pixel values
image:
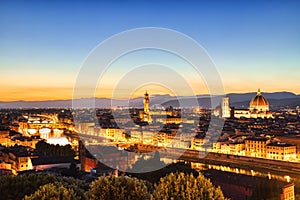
(258, 108)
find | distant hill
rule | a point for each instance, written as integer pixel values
(276, 100)
(238, 100)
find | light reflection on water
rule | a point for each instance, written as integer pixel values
(202, 166)
(58, 140)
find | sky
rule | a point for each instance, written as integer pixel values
(253, 44)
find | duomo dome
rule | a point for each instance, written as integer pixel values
(259, 103)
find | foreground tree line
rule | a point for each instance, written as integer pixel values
(44, 186)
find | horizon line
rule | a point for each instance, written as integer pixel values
(67, 99)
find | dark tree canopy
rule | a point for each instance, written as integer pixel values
(16, 187)
(54, 191)
(45, 149)
(121, 188)
(180, 186)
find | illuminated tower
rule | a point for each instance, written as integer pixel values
(146, 103)
(145, 115)
(225, 107)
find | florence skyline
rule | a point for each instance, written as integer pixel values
(43, 45)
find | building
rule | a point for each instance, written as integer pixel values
(244, 187)
(4, 137)
(281, 151)
(145, 114)
(234, 148)
(19, 157)
(291, 139)
(225, 107)
(45, 163)
(256, 147)
(258, 108)
(104, 156)
(198, 142)
(113, 133)
(171, 120)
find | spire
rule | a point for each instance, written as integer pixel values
(258, 92)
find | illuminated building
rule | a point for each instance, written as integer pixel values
(4, 137)
(113, 133)
(291, 139)
(258, 108)
(225, 107)
(23, 141)
(263, 148)
(146, 102)
(104, 156)
(234, 148)
(259, 103)
(171, 120)
(281, 151)
(7, 140)
(288, 192)
(242, 187)
(145, 114)
(197, 143)
(86, 128)
(19, 157)
(256, 147)
(5, 168)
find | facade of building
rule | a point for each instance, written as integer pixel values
(225, 107)
(113, 133)
(281, 151)
(19, 157)
(291, 139)
(256, 147)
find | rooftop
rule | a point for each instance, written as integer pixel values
(257, 139)
(280, 144)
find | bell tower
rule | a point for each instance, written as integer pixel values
(225, 107)
(146, 103)
(145, 114)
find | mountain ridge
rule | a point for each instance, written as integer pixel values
(235, 99)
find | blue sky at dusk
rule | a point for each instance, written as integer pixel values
(42, 45)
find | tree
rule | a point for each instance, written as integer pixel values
(45, 149)
(53, 192)
(72, 171)
(180, 186)
(16, 187)
(121, 188)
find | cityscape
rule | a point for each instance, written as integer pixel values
(149, 100)
(254, 143)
